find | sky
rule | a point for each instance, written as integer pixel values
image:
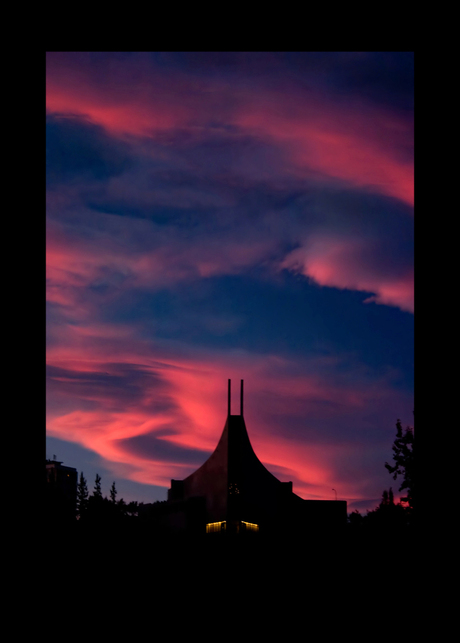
(217, 215)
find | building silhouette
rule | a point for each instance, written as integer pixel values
(60, 491)
(233, 492)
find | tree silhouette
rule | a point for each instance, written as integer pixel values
(387, 498)
(403, 456)
(355, 520)
(96, 504)
(132, 509)
(97, 493)
(113, 493)
(82, 496)
(388, 516)
(122, 506)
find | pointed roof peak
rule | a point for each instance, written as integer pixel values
(229, 413)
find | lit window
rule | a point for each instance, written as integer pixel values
(212, 527)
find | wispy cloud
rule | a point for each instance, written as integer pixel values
(349, 139)
(351, 263)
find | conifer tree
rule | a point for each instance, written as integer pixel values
(403, 456)
(113, 493)
(82, 496)
(97, 493)
(121, 505)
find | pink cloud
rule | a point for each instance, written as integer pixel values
(137, 254)
(116, 101)
(354, 142)
(338, 262)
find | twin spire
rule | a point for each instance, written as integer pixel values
(241, 397)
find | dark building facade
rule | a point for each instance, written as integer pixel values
(233, 492)
(60, 492)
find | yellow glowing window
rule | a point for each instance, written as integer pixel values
(250, 526)
(216, 526)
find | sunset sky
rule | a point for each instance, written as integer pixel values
(230, 215)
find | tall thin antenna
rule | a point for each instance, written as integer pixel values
(229, 396)
(241, 399)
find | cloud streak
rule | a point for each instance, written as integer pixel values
(351, 140)
(350, 264)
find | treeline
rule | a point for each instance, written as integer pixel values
(95, 508)
(389, 515)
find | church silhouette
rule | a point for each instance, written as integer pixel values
(233, 493)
